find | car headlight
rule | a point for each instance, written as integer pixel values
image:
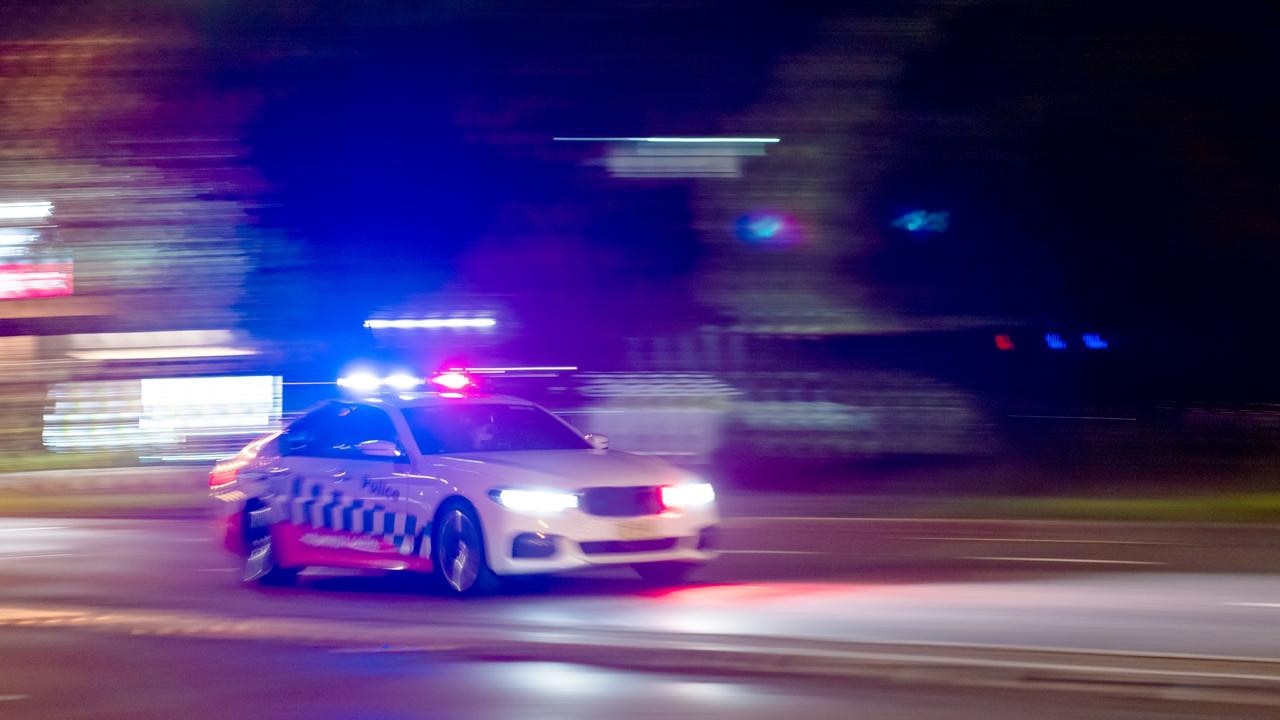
(680, 497)
(534, 501)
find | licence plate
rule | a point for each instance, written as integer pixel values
(636, 530)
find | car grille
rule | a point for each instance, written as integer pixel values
(621, 501)
(605, 547)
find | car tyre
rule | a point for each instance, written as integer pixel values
(458, 552)
(260, 563)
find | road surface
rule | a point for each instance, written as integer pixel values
(1132, 590)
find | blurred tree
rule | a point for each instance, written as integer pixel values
(108, 113)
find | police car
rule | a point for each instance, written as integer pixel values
(459, 483)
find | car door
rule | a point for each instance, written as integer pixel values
(340, 496)
(373, 488)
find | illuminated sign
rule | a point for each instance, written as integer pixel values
(40, 280)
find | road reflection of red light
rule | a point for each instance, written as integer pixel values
(755, 593)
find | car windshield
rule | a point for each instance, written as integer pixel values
(488, 427)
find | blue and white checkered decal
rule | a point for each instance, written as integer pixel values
(306, 502)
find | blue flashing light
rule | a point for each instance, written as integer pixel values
(766, 228)
(920, 221)
(1055, 341)
(1094, 341)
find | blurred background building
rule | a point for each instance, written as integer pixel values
(823, 232)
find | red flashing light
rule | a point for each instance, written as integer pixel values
(1004, 343)
(452, 381)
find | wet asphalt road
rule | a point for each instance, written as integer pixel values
(67, 675)
(1132, 589)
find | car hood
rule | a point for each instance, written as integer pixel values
(559, 469)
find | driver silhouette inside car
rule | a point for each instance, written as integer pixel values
(481, 435)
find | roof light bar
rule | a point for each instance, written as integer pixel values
(503, 370)
(368, 382)
(451, 381)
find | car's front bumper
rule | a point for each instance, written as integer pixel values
(583, 541)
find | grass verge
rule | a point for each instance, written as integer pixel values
(1227, 507)
(103, 505)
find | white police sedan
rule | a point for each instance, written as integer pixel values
(463, 484)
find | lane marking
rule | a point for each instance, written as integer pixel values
(34, 528)
(28, 557)
(774, 552)
(1041, 540)
(1061, 560)
(10, 698)
(1254, 604)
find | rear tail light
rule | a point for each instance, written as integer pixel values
(225, 472)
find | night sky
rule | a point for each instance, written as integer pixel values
(1110, 169)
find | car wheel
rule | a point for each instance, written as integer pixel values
(457, 550)
(260, 561)
(665, 573)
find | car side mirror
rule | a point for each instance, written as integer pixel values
(379, 449)
(598, 441)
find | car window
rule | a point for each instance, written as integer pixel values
(309, 435)
(338, 430)
(488, 427)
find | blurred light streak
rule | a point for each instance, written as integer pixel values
(767, 228)
(162, 417)
(1004, 343)
(243, 403)
(503, 370)
(160, 353)
(1093, 341)
(25, 210)
(638, 166)
(743, 594)
(553, 678)
(156, 345)
(402, 381)
(451, 381)
(714, 140)
(360, 382)
(430, 323)
(924, 221)
(40, 280)
(14, 241)
(193, 457)
(1054, 341)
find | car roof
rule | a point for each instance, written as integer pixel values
(423, 399)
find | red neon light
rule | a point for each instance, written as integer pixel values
(1004, 343)
(41, 280)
